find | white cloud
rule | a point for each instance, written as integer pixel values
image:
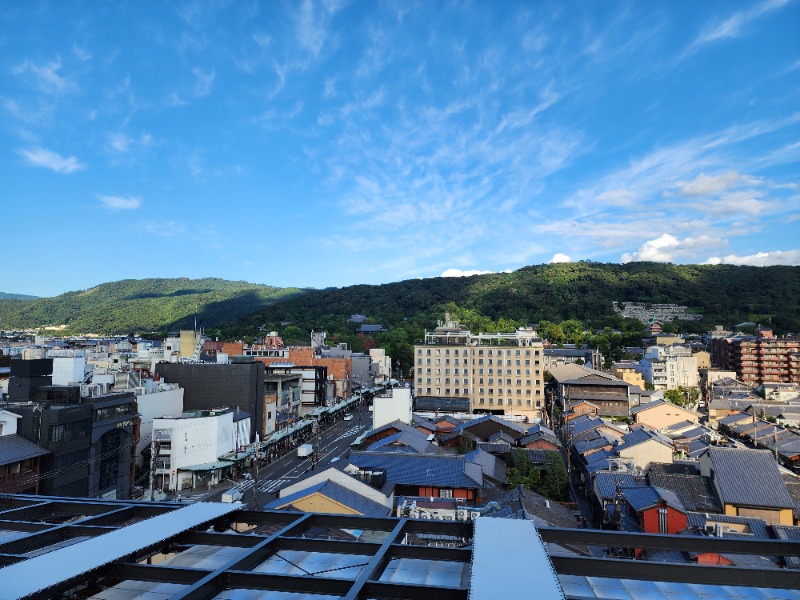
(42, 157)
(559, 257)
(759, 259)
(120, 202)
(468, 272)
(715, 184)
(666, 248)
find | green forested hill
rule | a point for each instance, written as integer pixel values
(724, 294)
(147, 305)
(585, 291)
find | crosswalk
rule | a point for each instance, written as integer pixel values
(264, 485)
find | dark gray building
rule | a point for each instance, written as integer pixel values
(209, 386)
(91, 441)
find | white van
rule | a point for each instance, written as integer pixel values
(232, 495)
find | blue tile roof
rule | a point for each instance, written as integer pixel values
(338, 493)
(642, 498)
(606, 482)
(410, 440)
(442, 470)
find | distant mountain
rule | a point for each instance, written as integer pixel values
(724, 294)
(586, 291)
(5, 296)
(147, 305)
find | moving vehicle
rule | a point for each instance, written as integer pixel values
(305, 450)
(232, 495)
(348, 417)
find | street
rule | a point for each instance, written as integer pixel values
(330, 444)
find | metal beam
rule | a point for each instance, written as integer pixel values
(300, 584)
(208, 586)
(463, 555)
(376, 564)
(328, 546)
(614, 568)
(410, 591)
(155, 573)
(205, 538)
(686, 543)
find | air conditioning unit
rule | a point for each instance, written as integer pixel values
(139, 391)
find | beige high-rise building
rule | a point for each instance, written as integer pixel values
(499, 373)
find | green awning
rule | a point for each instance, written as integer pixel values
(220, 464)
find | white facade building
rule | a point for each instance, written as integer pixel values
(194, 438)
(394, 404)
(670, 367)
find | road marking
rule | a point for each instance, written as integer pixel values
(270, 485)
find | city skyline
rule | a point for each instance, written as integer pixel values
(336, 143)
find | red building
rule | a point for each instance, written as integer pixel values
(655, 510)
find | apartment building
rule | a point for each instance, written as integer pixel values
(759, 359)
(498, 373)
(670, 367)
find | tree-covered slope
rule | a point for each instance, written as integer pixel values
(586, 291)
(142, 305)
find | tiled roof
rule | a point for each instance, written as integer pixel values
(734, 418)
(494, 447)
(635, 410)
(494, 419)
(490, 465)
(587, 445)
(442, 470)
(522, 503)
(423, 422)
(410, 440)
(596, 379)
(338, 493)
(694, 491)
(606, 482)
(397, 424)
(501, 436)
(642, 498)
(641, 435)
(693, 433)
(578, 426)
(15, 448)
(758, 528)
(540, 435)
(748, 477)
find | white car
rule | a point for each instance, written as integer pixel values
(348, 417)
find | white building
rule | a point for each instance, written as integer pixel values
(670, 367)
(194, 439)
(393, 404)
(69, 366)
(155, 401)
(383, 365)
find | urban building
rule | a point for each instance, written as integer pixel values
(763, 358)
(196, 447)
(212, 386)
(670, 367)
(498, 373)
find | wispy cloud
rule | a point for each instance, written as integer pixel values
(120, 202)
(46, 76)
(732, 26)
(462, 273)
(163, 229)
(41, 157)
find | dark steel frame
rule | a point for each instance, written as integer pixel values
(56, 520)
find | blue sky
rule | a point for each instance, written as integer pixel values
(328, 144)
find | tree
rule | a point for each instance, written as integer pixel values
(521, 471)
(554, 478)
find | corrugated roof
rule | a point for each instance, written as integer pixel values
(642, 498)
